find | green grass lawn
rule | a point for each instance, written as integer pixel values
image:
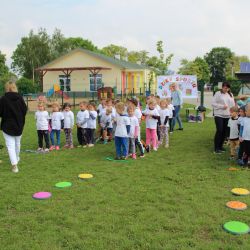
(172, 199)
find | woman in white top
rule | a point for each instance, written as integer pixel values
(223, 100)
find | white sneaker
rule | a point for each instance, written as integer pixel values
(15, 169)
(39, 149)
(46, 150)
(155, 149)
(91, 145)
(84, 146)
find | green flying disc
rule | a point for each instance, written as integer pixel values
(63, 184)
(236, 227)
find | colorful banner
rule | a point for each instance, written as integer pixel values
(187, 84)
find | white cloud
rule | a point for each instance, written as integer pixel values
(188, 28)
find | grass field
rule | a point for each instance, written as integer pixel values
(172, 199)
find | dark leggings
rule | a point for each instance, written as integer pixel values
(221, 132)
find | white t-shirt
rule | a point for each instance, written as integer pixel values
(121, 122)
(234, 129)
(163, 113)
(106, 119)
(113, 114)
(138, 114)
(151, 122)
(246, 128)
(92, 119)
(42, 118)
(68, 119)
(171, 109)
(56, 118)
(133, 124)
(82, 118)
(100, 108)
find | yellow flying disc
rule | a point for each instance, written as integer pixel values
(233, 169)
(240, 191)
(85, 176)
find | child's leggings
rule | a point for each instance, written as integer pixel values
(132, 145)
(164, 134)
(68, 135)
(151, 137)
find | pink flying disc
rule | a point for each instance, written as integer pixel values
(42, 195)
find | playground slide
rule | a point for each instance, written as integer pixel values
(60, 92)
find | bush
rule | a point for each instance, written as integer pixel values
(26, 86)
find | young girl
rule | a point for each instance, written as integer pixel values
(171, 114)
(81, 122)
(163, 122)
(68, 125)
(91, 125)
(121, 132)
(152, 117)
(42, 126)
(106, 125)
(242, 114)
(56, 120)
(134, 128)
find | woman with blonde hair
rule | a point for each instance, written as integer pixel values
(12, 111)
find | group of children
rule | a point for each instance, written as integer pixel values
(114, 119)
(239, 136)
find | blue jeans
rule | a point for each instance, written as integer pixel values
(177, 116)
(121, 146)
(58, 137)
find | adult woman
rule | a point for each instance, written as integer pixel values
(222, 102)
(177, 101)
(12, 112)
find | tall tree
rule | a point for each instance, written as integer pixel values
(217, 60)
(198, 67)
(138, 56)
(3, 67)
(115, 50)
(78, 42)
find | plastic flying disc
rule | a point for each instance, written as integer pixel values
(63, 184)
(85, 176)
(42, 195)
(240, 191)
(233, 169)
(236, 227)
(236, 205)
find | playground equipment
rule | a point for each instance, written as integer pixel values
(56, 90)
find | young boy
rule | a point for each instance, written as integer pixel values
(106, 125)
(121, 132)
(81, 122)
(234, 132)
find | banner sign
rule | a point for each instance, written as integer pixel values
(187, 85)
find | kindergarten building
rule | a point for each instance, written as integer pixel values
(86, 71)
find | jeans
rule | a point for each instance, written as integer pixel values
(121, 146)
(13, 144)
(177, 116)
(58, 137)
(221, 130)
(43, 134)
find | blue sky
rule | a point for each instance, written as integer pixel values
(187, 28)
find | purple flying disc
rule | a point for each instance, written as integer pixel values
(41, 195)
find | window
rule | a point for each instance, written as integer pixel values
(65, 84)
(95, 82)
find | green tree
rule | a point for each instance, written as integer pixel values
(3, 67)
(78, 42)
(198, 67)
(25, 86)
(115, 50)
(138, 56)
(217, 60)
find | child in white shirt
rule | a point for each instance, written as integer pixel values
(152, 117)
(106, 125)
(133, 133)
(91, 125)
(171, 115)
(163, 122)
(81, 122)
(42, 125)
(68, 125)
(234, 132)
(121, 132)
(56, 126)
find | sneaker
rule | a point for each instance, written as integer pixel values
(134, 156)
(117, 158)
(52, 148)
(39, 149)
(15, 169)
(218, 152)
(66, 146)
(57, 148)
(91, 145)
(142, 156)
(71, 146)
(147, 148)
(155, 149)
(105, 142)
(167, 146)
(46, 150)
(124, 158)
(84, 146)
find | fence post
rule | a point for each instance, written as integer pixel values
(62, 97)
(74, 99)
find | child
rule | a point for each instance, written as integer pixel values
(106, 125)
(245, 135)
(68, 125)
(163, 122)
(242, 114)
(152, 117)
(42, 126)
(121, 132)
(234, 132)
(56, 126)
(134, 128)
(100, 108)
(138, 115)
(91, 125)
(171, 114)
(81, 122)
